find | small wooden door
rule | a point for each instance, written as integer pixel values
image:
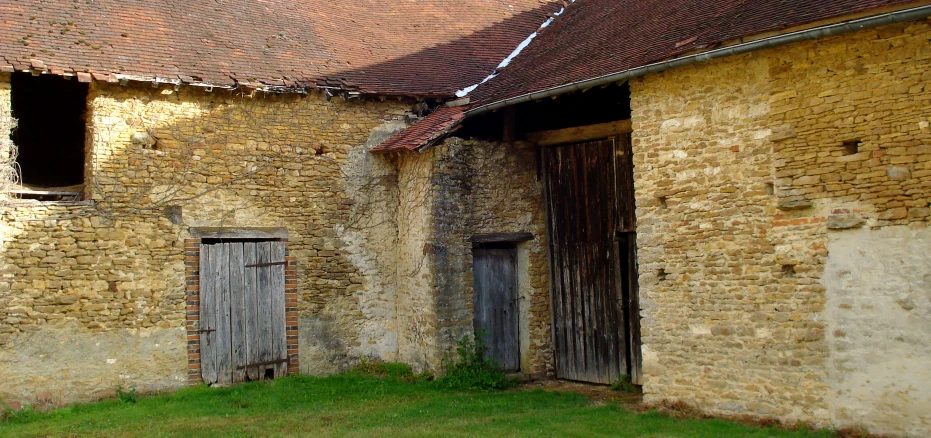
(591, 221)
(496, 303)
(242, 311)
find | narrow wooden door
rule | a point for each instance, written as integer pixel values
(496, 303)
(242, 311)
(592, 260)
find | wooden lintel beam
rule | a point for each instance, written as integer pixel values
(501, 237)
(580, 133)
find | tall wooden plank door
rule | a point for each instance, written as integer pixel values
(242, 311)
(587, 214)
(496, 304)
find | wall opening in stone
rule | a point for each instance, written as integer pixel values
(243, 311)
(851, 147)
(607, 104)
(592, 245)
(50, 132)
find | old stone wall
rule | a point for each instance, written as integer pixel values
(451, 251)
(747, 172)
(417, 312)
(92, 292)
(482, 188)
(507, 197)
(448, 194)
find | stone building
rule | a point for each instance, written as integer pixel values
(726, 201)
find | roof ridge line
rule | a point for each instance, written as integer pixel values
(520, 47)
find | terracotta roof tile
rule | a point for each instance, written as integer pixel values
(406, 47)
(593, 38)
(599, 37)
(439, 123)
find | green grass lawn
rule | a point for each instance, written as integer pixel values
(360, 405)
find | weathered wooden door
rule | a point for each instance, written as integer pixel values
(593, 260)
(496, 303)
(242, 311)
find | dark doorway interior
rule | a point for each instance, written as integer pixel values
(50, 130)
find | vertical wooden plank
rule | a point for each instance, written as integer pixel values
(603, 357)
(264, 305)
(513, 321)
(617, 308)
(583, 267)
(571, 227)
(250, 297)
(208, 347)
(279, 334)
(479, 307)
(551, 196)
(238, 308)
(224, 329)
(626, 203)
(606, 289)
(493, 339)
(605, 193)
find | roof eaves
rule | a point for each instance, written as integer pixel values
(916, 13)
(426, 132)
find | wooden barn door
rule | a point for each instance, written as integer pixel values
(242, 311)
(593, 260)
(496, 302)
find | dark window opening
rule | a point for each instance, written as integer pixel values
(851, 147)
(49, 134)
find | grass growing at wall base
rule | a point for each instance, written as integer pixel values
(358, 404)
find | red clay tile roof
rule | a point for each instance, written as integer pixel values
(404, 47)
(598, 37)
(437, 124)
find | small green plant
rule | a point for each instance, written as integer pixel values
(472, 370)
(127, 396)
(624, 384)
(8, 414)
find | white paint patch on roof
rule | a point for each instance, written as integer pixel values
(507, 61)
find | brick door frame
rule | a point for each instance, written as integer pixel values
(192, 292)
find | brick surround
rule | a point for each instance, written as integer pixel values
(192, 298)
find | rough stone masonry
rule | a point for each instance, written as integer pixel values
(782, 202)
(92, 293)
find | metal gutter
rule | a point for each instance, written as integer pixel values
(737, 49)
